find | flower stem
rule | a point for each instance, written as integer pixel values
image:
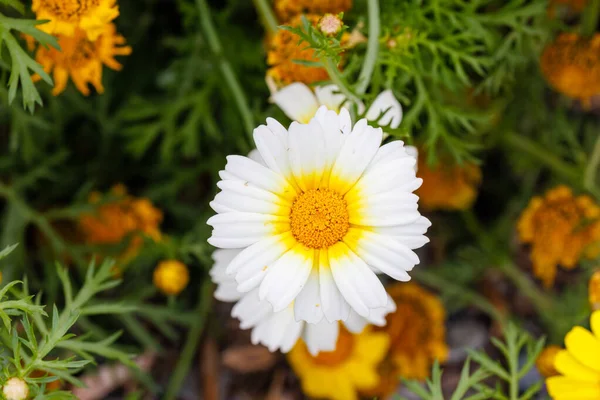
(191, 342)
(364, 78)
(590, 18)
(266, 13)
(589, 177)
(334, 75)
(230, 79)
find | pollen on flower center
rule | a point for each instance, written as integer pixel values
(69, 9)
(319, 218)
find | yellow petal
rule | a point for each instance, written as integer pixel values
(567, 365)
(363, 376)
(584, 346)
(560, 387)
(371, 347)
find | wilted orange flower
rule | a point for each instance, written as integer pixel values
(82, 60)
(447, 187)
(126, 218)
(67, 16)
(545, 361)
(286, 9)
(561, 229)
(416, 329)
(595, 291)
(340, 374)
(571, 64)
(284, 48)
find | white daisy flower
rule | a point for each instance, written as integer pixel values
(327, 210)
(280, 330)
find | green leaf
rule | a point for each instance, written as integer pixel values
(7, 250)
(16, 4)
(489, 364)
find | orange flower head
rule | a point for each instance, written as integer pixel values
(545, 361)
(81, 59)
(571, 65)
(417, 331)
(561, 229)
(595, 291)
(287, 9)
(284, 48)
(447, 187)
(127, 217)
(171, 277)
(66, 17)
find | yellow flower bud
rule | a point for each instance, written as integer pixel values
(545, 361)
(15, 389)
(171, 277)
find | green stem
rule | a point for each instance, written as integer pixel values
(266, 13)
(589, 177)
(334, 75)
(191, 342)
(364, 78)
(431, 279)
(230, 78)
(590, 18)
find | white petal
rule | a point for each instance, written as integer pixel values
(414, 153)
(385, 103)
(291, 336)
(297, 101)
(271, 332)
(330, 96)
(308, 305)
(321, 336)
(250, 310)
(254, 155)
(238, 230)
(332, 126)
(356, 153)
(286, 278)
(385, 253)
(245, 169)
(227, 291)
(335, 307)
(355, 323)
(252, 192)
(273, 145)
(222, 258)
(246, 204)
(307, 154)
(357, 283)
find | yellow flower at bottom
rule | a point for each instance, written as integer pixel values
(545, 361)
(416, 329)
(594, 290)
(447, 187)
(81, 59)
(561, 229)
(339, 374)
(287, 9)
(284, 49)
(171, 277)
(66, 16)
(571, 64)
(579, 365)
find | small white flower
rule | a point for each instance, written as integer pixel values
(322, 210)
(15, 389)
(280, 330)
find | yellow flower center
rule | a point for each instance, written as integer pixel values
(319, 218)
(69, 9)
(343, 350)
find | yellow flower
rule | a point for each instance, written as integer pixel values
(339, 374)
(447, 187)
(67, 16)
(545, 361)
(594, 290)
(286, 9)
(82, 60)
(561, 229)
(171, 277)
(571, 64)
(579, 365)
(284, 48)
(416, 329)
(127, 217)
